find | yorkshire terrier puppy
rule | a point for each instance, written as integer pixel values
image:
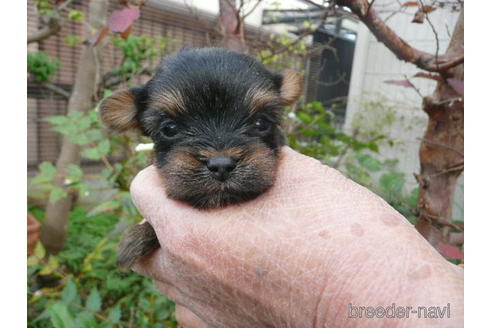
(214, 116)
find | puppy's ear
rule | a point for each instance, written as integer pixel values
(291, 86)
(119, 111)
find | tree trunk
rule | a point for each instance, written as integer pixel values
(232, 26)
(442, 149)
(54, 230)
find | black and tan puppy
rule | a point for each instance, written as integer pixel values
(214, 117)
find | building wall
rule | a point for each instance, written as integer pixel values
(374, 64)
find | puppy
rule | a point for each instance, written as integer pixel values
(214, 116)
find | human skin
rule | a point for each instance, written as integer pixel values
(296, 256)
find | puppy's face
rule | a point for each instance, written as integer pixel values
(214, 118)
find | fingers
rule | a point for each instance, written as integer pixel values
(153, 265)
(148, 193)
(187, 319)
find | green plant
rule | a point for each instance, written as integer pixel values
(41, 67)
(82, 287)
(136, 51)
(311, 131)
(45, 7)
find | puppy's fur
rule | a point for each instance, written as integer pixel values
(214, 117)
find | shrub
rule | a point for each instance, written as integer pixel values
(41, 67)
(82, 287)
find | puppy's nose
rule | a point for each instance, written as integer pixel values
(221, 166)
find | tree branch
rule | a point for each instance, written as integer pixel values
(301, 36)
(390, 39)
(112, 79)
(251, 10)
(59, 91)
(52, 27)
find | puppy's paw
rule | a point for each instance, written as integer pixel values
(136, 242)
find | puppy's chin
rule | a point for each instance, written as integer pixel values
(187, 179)
(217, 198)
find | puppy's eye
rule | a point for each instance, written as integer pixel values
(169, 129)
(261, 124)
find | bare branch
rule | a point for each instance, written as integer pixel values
(52, 27)
(252, 10)
(386, 35)
(231, 26)
(302, 35)
(56, 89)
(111, 79)
(414, 87)
(436, 36)
(452, 63)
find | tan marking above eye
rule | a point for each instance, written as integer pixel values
(258, 96)
(170, 101)
(234, 152)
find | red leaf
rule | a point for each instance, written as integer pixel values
(428, 9)
(424, 75)
(457, 85)
(410, 4)
(450, 252)
(96, 38)
(120, 20)
(126, 33)
(402, 83)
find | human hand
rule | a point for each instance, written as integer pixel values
(296, 256)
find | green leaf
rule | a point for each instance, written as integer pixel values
(75, 173)
(47, 173)
(83, 188)
(32, 261)
(94, 134)
(413, 198)
(304, 117)
(369, 163)
(91, 153)
(107, 93)
(56, 194)
(60, 317)
(50, 267)
(39, 251)
(80, 139)
(41, 67)
(75, 15)
(83, 123)
(104, 147)
(93, 302)
(73, 40)
(374, 147)
(392, 183)
(57, 120)
(69, 293)
(115, 314)
(66, 129)
(86, 320)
